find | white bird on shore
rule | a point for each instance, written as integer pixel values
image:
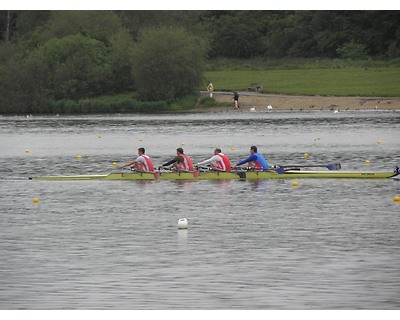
(253, 109)
(269, 107)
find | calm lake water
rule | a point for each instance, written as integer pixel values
(325, 244)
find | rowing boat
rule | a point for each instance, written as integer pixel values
(236, 175)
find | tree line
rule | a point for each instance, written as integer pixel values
(51, 56)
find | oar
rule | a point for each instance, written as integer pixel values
(203, 168)
(136, 171)
(331, 166)
(171, 170)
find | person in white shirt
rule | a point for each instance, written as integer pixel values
(219, 161)
(142, 163)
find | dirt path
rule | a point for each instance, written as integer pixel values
(260, 102)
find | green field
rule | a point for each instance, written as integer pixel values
(351, 81)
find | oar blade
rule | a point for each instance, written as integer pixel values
(280, 170)
(334, 166)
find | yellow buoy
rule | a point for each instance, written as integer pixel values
(396, 199)
(78, 157)
(305, 155)
(232, 148)
(295, 184)
(182, 144)
(99, 137)
(318, 138)
(35, 200)
(378, 142)
(367, 162)
(114, 164)
(26, 150)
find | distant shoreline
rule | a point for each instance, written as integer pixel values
(260, 102)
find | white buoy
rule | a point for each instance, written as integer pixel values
(269, 107)
(253, 109)
(182, 223)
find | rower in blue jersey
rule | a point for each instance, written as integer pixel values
(256, 160)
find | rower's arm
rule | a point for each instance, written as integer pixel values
(213, 158)
(166, 164)
(127, 164)
(251, 158)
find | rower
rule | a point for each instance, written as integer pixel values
(182, 162)
(219, 161)
(255, 161)
(179, 165)
(142, 163)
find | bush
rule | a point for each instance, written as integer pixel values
(168, 64)
(107, 104)
(352, 50)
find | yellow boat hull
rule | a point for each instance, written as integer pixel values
(297, 174)
(249, 175)
(111, 176)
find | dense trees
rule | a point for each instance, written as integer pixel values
(277, 34)
(69, 55)
(168, 63)
(55, 55)
(231, 33)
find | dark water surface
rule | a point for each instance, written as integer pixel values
(325, 244)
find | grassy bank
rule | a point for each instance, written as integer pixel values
(294, 77)
(327, 78)
(122, 103)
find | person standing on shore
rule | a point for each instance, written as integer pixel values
(236, 101)
(210, 89)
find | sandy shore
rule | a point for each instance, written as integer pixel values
(249, 100)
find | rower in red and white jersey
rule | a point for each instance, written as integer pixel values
(181, 162)
(219, 161)
(142, 163)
